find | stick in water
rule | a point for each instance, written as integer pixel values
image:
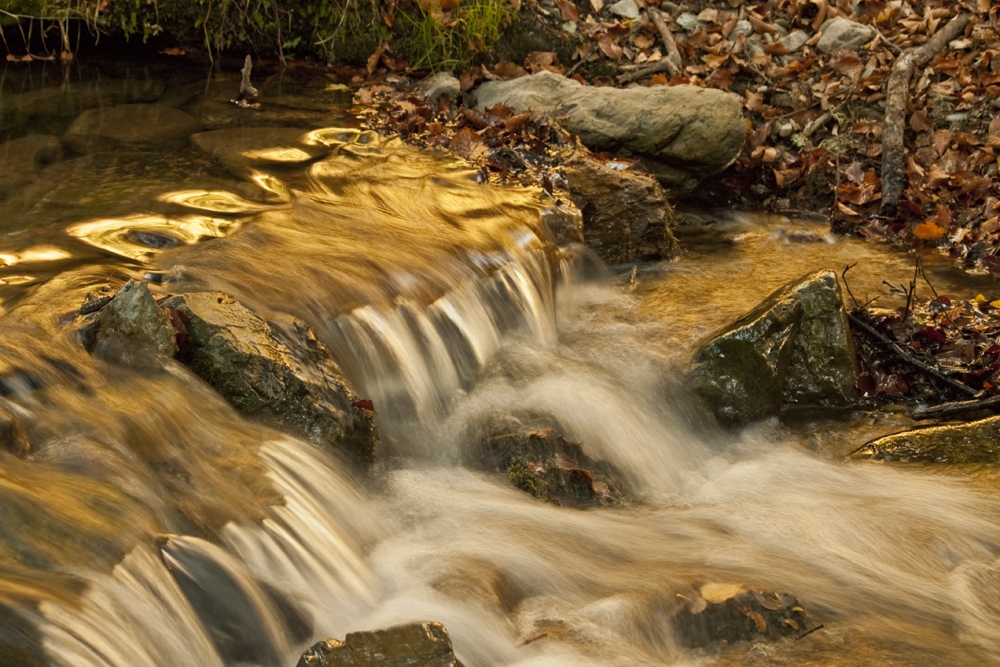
(246, 88)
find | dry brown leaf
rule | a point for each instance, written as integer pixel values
(567, 10)
(609, 46)
(375, 57)
(919, 121)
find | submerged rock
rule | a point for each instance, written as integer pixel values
(974, 442)
(422, 644)
(733, 613)
(537, 459)
(243, 148)
(281, 374)
(20, 159)
(127, 125)
(134, 315)
(683, 133)
(626, 215)
(795, 348)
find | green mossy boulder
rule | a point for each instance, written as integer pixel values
(795, 348)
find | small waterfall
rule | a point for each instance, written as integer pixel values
(257, 601)
(413, 361)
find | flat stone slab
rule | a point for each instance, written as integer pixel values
(128, 125)
(974, 442)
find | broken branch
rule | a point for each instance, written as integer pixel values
(897, 93)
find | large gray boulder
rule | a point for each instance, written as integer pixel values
(281, 374)
(682, 133)
(626, 216)
(795, 348)
(22, 158)
(974, 442)
(423, 644)
(128, 125)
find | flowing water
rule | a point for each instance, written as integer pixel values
(151, 525)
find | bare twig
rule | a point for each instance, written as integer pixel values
(673, 53)
(809, 632)
(662, 65)
(909, 358)
(572, 70)
(956, 408)
(843, 276)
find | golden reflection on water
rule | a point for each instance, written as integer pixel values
(139, 237)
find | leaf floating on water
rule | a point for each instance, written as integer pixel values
(364, 404)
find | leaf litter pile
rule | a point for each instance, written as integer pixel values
(931, 350)
(819, 117)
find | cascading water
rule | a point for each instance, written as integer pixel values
(150, 525)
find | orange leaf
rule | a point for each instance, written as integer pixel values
(928, 231)
(568, 10)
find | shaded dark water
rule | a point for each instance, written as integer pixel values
(146, 500)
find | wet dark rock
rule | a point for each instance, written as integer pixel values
(537, 459)
(564, 223)
(422, 644)
(626, 215)
(732, 613)
(134, 315)
(281, 374)
(21, 159)
(974, 442)
(241, 149)
(795, 348)
(682, 133)
(129, 126)
(231, 606)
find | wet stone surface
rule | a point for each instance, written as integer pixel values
(536, 458)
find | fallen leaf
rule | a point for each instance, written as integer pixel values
(929, 231)
(568, 10)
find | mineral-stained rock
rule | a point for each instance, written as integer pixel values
(422, 644)
(795, 348)
(732, 613)
(974, 442)
(128, 125)
(133, 315)
(626, 215)
(682, 133)
(279, 373)
(537, 459)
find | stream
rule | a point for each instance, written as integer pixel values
(150, 519)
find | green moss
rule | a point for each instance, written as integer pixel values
(522, 477)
